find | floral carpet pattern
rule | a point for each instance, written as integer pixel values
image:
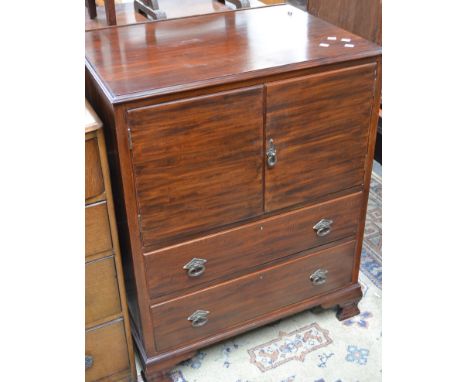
(288, 346)
(312, 346)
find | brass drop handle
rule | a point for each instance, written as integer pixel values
(195, 267)
(199, 318)
(89, 361)
(319, 277)
(272, 158)
(323, 227)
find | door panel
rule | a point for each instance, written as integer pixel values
(320, 127)
(198, 163)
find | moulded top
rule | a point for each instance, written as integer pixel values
(163, 57)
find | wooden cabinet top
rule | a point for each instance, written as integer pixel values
(156, 58)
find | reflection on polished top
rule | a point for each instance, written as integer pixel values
(126, 14)
(164, 57)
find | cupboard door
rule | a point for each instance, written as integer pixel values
(198, 163)
(319, 125)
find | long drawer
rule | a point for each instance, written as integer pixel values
(249, 246)
(210, 311)
(106, 351)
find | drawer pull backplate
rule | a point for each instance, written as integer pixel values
(195, 267)
(199, 318)
(89, 361)
(319, 277)
(271, 154)
(323, 227)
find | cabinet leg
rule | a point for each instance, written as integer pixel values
(160, 376)
(347, 310)
(160, 371)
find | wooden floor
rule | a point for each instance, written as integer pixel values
(173, 8)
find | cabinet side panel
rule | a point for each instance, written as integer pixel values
(368, 165)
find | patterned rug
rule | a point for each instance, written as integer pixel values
(310, 346)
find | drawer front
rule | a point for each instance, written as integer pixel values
(102, 290)
(94, 182)
(106, 351)
(320, 129)
(237, 301)
(251, 245)
(98, 235)
(197, 163)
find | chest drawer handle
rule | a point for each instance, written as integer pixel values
(323, 227)
(319, 277)
(195, 267)
(89, 361)
(271, 154)
(199, 318)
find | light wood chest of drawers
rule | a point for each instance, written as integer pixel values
(241, 147)
(109, 352)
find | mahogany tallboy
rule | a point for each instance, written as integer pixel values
(109, 353)
(240, 147)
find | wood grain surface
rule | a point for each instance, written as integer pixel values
(94, 182)
(107, 345)
(320, 127)
(236, 250)
(362, 17)
(97, 229)
(101, 290)
(106, 301)
(170, 56)
(126, 13)
(198, 163)
(201, 97)
(235, 301)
